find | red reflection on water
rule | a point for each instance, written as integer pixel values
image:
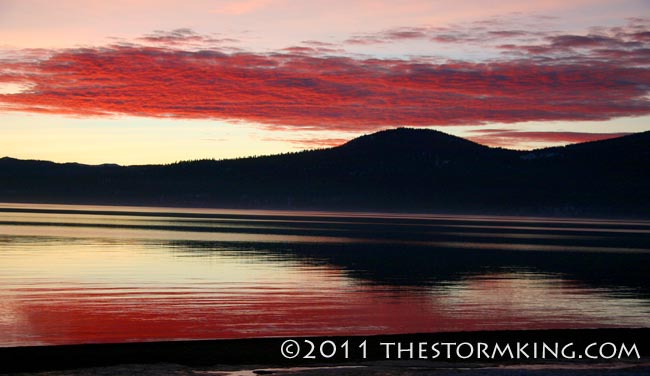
(89, 317)
(64, 285)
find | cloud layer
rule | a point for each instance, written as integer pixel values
(598, 76)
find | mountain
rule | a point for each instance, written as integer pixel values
(399, 169)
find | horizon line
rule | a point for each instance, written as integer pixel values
(612, 136)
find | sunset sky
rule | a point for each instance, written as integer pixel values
(135, 82)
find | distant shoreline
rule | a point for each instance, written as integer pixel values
(399, 170)
(56, 207)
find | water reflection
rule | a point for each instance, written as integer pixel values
(70, 277)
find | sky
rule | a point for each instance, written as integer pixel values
(137, 82)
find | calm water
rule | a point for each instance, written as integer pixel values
(81, 274)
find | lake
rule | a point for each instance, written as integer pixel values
(94, 274)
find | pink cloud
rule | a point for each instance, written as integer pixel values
(315, 143)
(181, 38)
(512, 138)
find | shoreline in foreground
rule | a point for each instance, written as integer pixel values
(263, 355)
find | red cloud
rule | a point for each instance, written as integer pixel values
(509, 138)
(300, 87)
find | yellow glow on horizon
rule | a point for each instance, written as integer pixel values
(132, 140)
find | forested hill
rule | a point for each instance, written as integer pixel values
(399, 169)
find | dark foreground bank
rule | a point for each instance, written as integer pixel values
(558, 352)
